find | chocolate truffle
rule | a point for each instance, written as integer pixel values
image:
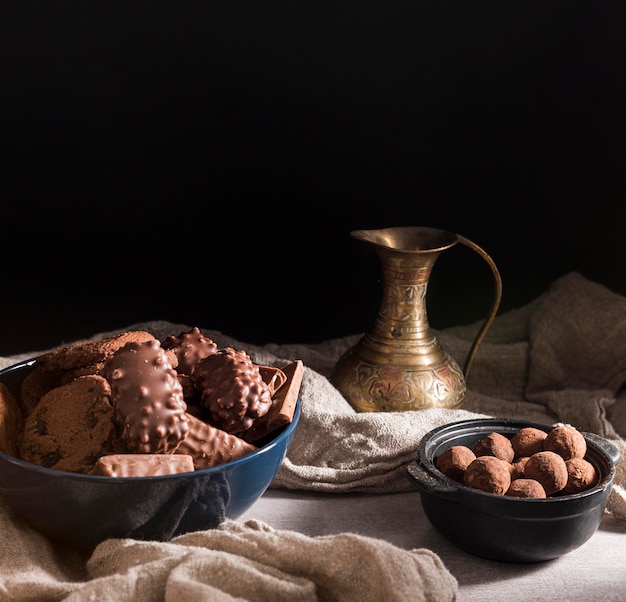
(518, 467)
(566, 441)
(454, 461)
(495, 444)
(581, 475)
(528, 488)
(489, 474)
(549, 469)
(528, 441)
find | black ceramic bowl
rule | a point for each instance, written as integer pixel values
(502, 527)
(82, 510)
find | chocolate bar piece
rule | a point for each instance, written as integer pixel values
(142, 465)
(273, 377)
(283, 405)
(210, 446)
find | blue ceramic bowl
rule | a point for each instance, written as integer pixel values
(82, 510)
(501, 527)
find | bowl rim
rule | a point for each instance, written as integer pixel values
(219, 468)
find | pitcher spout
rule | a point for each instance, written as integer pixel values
(408, 239)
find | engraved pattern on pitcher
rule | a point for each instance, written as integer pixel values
(405, 302)
(398, 390)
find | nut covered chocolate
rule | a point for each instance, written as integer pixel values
(147, 398)
(232, 389)
(189, 347)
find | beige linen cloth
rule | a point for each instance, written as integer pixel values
(561, 358)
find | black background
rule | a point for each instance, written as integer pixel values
(205, 162)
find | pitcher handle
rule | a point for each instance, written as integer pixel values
(494, 306)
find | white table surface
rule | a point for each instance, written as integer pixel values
(596, 571)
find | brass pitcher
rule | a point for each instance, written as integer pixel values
(400, 365)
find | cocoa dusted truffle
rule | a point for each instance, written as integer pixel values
(489, 474)
(454, 461)
(518, 467)
(495, 444)
(549, 469)
(581, 475)
(566, 441)
(528, 441)
(527, 488)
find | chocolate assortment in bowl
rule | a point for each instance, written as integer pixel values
(514, 490)
(530, 464)
(131, 405)
(134, 437)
